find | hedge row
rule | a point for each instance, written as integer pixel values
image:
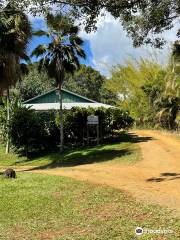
(30, 130)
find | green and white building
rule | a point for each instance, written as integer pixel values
(50, 101)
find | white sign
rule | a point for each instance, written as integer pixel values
(92, 120)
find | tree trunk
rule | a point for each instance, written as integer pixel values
(61, 120)
(8, 118)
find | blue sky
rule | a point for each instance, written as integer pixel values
(39, 24)
(110, 45)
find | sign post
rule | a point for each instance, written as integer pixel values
(93, 120)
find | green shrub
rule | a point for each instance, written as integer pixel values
(75, 123)
(31, 131)
(26, 130)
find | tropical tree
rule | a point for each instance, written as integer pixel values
(87, 82)
(169, 101)
(138, 83)
(15, 32)
(169, 106)
(176, 53)
(34, 83)
(144, 20)
(60, 56)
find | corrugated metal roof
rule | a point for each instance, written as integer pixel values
(68, 106)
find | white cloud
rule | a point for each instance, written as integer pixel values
(110, 45)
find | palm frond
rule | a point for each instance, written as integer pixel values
(15, 32)
(81, 53)
(52, 70)
(41, 33)
(43, 64)
(75, 40)
(39, 51)
(69, 66)
(61, 55)
(25, 57)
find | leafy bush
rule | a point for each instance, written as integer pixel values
(15, 104)
(75, 122)
(26, 130)
(30, 130)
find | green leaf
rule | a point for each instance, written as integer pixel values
(40, 33)
(40, 50)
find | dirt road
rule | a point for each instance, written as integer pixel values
(154, 179)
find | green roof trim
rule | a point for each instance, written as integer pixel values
(51, 97)
(34, 98)
(75, 94)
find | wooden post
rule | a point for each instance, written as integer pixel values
(83, 137)
(88, 135)
(61, 120)
(97, 134)
(8, 119)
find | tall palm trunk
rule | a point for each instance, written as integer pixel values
(8, 118)
(61, 120)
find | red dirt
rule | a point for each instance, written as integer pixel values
(155, 179)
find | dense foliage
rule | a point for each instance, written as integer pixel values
(4, 124)
(90, 83)
(149, 91)
(142, 19)
(15, 32)
(61, 55)
(34, 83)
(86, 81)
(109, 120)
(30, 130)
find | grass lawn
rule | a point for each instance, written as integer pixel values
(8, 159)
(123, 151)
(38, 207)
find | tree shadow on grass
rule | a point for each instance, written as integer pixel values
(134, 138)
(89, 156)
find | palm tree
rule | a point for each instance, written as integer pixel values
(15, 32)
(61, 55)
